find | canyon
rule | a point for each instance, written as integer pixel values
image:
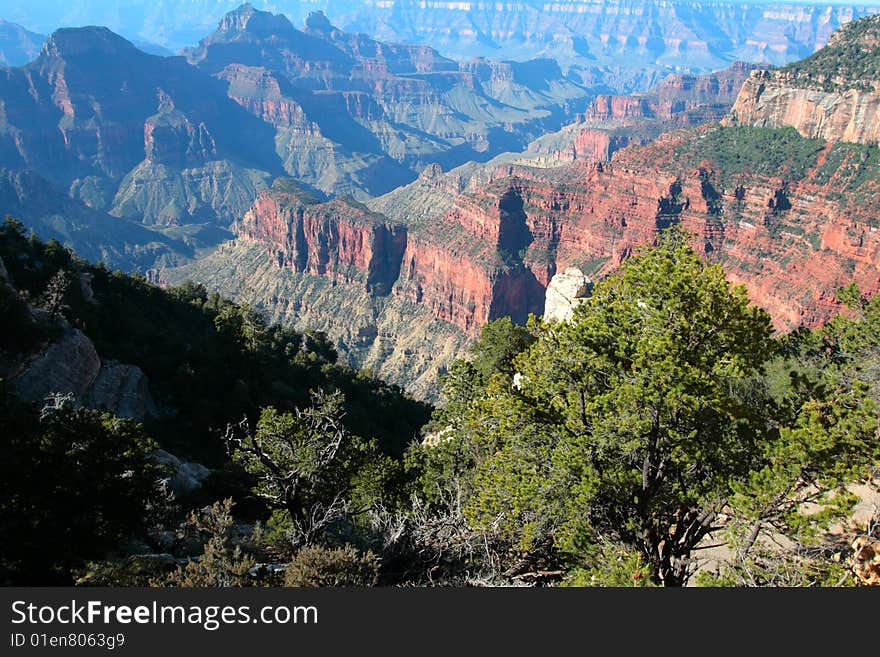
(627, 44)
(791, 216)
(182, 145)
(397, 200)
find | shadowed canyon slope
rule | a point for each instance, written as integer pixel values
(184, 144)
(792, 217)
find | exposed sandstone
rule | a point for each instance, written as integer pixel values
(343, 241)
(611, 122)
(123, 390)
(69, 366)
(770, 100)
(566, 290)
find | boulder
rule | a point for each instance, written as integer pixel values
(69, 366)
(186, 477)
(123, 390)
(566, 290)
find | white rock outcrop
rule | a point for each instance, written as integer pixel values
(566, 290)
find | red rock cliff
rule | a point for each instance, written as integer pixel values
(793, 241)
(335, 239)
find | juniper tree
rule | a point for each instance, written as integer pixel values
(630, 422)
(309, 466)
(644, 419)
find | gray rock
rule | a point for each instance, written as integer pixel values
(186, 478)
(123, 390)
(566, 290)
(267, 569)
(4, 275)
(69, 366)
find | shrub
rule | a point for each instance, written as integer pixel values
(318, 566)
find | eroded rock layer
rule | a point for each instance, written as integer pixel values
(791, 213)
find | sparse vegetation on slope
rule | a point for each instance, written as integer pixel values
(851, 60)
(744, 149)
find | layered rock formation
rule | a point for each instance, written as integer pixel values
(833, 95)
(770, 100)
(359, 117)
(790, 217)
(613, 121)
(124, 134)
(184, 145)
(622, 41)
(338, 239)
(618, 34)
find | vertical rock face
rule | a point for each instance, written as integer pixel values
(775, 100)
(598, 145)
(565, 291)
(613, 122)
(466, 267)
(337, 239)
(606, 107)
(685, 98)
(452, 286)
(834, 94)
(171, 139)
